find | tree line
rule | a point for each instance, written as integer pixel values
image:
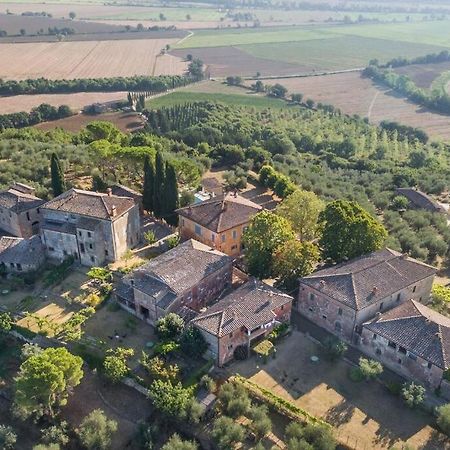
(430, 58)
(42, 113)
(435, 100)
(135, 83)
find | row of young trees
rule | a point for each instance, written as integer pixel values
(135, 83)
(430, 58)
(41, 113)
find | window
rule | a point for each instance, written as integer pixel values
(399, 296)
(374, 336)
(340, 311)
(312, 297)
(19, 266)
(230, 347)
(106, 253)
(234, 234)
(80, 233)
(381, 306)
(91, 246)
(324, 317)
(213, 237)
(223, 237)
(65, 252)
(392, 344)
(92, 259)
(402, 350)
(430, 365)
(182, 222)
(378, 351)
(12, 265)
(231, 335)
(399, 360)
(412, 356)
(311, 309)
(198, 230)
(28, 216)
(414, 288)
(282, 307)
(51, 249)
(82, 250)
(89, 234)
(234, 247)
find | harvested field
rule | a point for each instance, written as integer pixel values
(356, 95)
(90, 59)
(74, 101)
(126, 122)
(224, 61)
(423, 75)
(12, 24)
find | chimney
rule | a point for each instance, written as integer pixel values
(224, 206)
(132, 282)
(374, 290)
(322, 283)
(113, 211)
(109, 192)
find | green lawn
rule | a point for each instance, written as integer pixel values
(178, 98)
(431, 33)
(339, 52)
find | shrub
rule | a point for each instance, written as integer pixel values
(100, 274)
(413, 394)
(150, 237)
(6, 322)
(370, 368)
(226, 432)
(394, 388)
(193, 343)
(170, 326)
(443, 418)
(172, 241)
(56, 434)
(355, 374)
(8, 437)
(207, 383)
(96, 431)
(115, 364)
(261, 423)
(334, 348)
(164, 348)
(160, 371)
(176, 443)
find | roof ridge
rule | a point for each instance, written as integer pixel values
(441, 337)
(104, 204)
(222, 209)
(354, 291)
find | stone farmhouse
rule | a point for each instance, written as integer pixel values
(242, 318)
(19, 211)
(91, 227)
(343, 297)
(182, 280)
(218, 222)
(412, 340)
(21, 255)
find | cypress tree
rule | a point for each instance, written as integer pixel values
(158, 187)
(171, 195)
(149, 181)
(58, 183)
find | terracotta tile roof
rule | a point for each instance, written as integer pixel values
(176, 271)
(92, 204)
(420, 199)
(363, 281)
(22, 251)
(222, 212)
(124, 191)
(418, 329)
(249, 306)
(17, 201)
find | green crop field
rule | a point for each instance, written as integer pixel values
(429, 33)
(181, 97)
(344, 52)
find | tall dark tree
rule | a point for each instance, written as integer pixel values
(171, 195)
(149, 182)
(158, 187)
(58, 183)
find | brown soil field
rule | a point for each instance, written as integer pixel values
(224, 61)
(75, 101)
(423, 75)
(12, 24)
(87, 59)
(356, 95)
(126, 122)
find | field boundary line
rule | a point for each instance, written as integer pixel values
(372, 104)
(191, 33)
(303, 75)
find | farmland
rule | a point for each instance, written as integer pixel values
(75, 101)
(124, 121)
(88, 59)
(356, 95)
(424, 75)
